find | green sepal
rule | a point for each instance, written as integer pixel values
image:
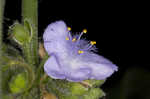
(94, 93)
(20, 33)
(75, 90)
(78, 89)
(18, 83)
(95, 83)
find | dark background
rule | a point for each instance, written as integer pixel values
(121, 30)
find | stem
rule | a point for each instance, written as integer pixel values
(27, 54)
(39, 72)
(2, 4)
(30, 13)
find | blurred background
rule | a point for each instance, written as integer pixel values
(120, 30)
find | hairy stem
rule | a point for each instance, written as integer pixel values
(2, 4)
(30, 13)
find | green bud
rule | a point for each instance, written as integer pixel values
(18, 83)
(94, 93)
(20, 34)
(78, 89)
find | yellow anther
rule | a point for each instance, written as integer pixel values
(69, 28)
(93, 42)
(74, 39)
(67, 38)
(80, 52)
(84, 30)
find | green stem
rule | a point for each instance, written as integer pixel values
(30, 13)
(27, 54)
(2, 4)
(39, 71)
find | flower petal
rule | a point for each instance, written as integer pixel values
(56, 47)
(55, 30)
(100, 66)
(102, 71)
(78, 75)
(55, 38)
(52, 68)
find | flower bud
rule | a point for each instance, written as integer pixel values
(18, 83)
(20, 34)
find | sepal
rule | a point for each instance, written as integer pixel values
(18, 83)
(21, 33)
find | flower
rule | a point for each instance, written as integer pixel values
(73, 58)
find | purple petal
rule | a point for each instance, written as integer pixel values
(101, 71)
(55, 30)
(78, 75)
(55, 38)
(100, 66)
(52, 68)
(55, 47)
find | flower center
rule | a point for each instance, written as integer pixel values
(78, 44)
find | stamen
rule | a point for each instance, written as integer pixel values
(90, 45)
(93, 42)
(74, 39)
(83, 32)
(67, 38)
(69, 34)
(69, 28)
(80, 52)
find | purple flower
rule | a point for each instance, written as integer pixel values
(73, 58)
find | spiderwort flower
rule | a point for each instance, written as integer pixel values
(73, 58)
